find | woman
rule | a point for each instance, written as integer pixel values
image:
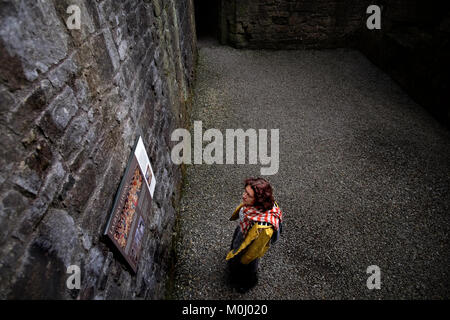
(260, 221)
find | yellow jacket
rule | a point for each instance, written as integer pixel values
(255, 243)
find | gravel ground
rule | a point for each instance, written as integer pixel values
(363, 179)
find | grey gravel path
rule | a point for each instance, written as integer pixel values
(364, 179)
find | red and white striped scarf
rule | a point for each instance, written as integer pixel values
(251, 215)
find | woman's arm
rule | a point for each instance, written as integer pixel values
(259, 246)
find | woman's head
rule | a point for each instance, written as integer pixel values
(258, 193)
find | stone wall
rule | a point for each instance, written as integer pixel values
(73, 103)
(413, 47)
(290, 24)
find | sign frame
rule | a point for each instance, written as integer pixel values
(130, 215)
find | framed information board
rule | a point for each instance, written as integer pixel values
(132, 207)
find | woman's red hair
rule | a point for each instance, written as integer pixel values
(263, 193)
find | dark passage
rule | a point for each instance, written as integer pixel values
(207, 18)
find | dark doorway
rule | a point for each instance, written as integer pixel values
(207, 18)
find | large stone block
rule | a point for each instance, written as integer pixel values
(12, 206)
(54, 181)
(76, 197)
(29, 110)
(27, 180)
(114, 55)
(92, 270)
(73, 140)
(59, 229)
(59, 113)
(33, 25)
(43, 277)
(60, 76)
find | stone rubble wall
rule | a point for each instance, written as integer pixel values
(291, 24)
(73, 103)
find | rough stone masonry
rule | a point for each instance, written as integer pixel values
(290, 24)
(73, 103)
